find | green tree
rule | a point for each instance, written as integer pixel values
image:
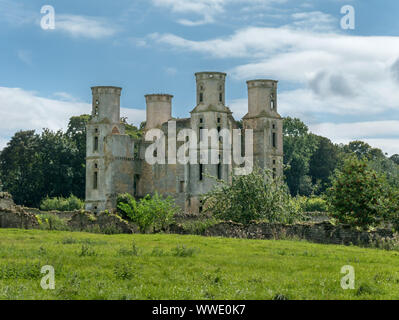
(77, 132)
(323, 162)
(299, 146)
(359, 196)
(18, 168)
(57, 160)
(395, 158)
(363, 150)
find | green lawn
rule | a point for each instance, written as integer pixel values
(91, 266)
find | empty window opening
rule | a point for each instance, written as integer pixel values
(95, 143)
(201, 97)
(201, 171)
(274, 161)
(220, 97)
(219, 119)
(135, 184)
(201, 120)
(200, 208)
(181, 186)
(219, 171)
(95, 180)
(201, 133)
(96, 110)
(96, 165)
(274, 173)
(274, 140)
(272, 104)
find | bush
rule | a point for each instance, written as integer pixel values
(61, 204)
(52, 222)
(359, 196)
(257, 196)
(155, 212)
(312, 204)
(125, 198)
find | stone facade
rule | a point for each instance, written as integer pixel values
(113, 167)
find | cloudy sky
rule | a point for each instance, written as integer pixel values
(344, 84)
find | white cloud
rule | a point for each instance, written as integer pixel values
(379, 134)
(331, 73)
(25, 110)
(313, 20)
(208, 10)
(18, 14)
(84, 26)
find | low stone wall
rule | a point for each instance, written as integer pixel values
(17, 218)
(103, 222)
(59, 214)
(319, 232)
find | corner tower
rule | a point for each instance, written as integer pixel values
(109, 152)
(267, 124)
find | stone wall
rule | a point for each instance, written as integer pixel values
(103, 222)
(17, 218)
(318, 232)
(6, 202)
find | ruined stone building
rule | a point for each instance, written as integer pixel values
(116, 163)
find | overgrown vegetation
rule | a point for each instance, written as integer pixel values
(257, 196)
(153, 212)
(310, 204)
(71, 203)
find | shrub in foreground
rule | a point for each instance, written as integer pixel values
(155, 212)
(256, 196)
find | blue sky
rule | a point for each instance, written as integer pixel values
(343, 83)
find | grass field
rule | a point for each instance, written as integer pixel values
(90, 266)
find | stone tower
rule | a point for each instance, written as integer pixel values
(266, 123)
(210, 113)
(159, 109)
(109, 154)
